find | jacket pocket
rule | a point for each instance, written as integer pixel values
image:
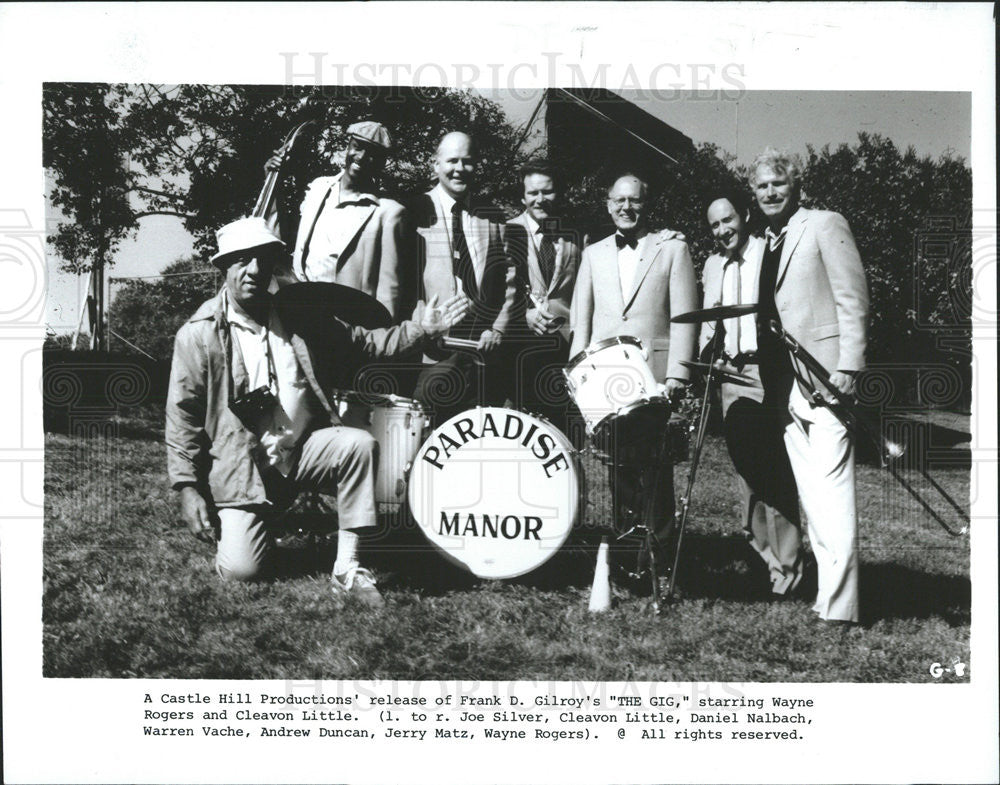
(830, 330)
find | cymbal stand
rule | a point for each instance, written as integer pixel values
(711, 381)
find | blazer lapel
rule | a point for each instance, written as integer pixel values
(796, 226)
(650, 250)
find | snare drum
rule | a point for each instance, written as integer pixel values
(398, 424)
(608, 379)
(496, 490)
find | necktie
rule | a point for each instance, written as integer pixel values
(733, 325)
(546, 258)
(461, 258)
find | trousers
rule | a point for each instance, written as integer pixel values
(336, 460)
(821, 452)
(769, 502)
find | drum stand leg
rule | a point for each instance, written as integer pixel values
(651, 549)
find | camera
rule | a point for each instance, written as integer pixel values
(253, 406)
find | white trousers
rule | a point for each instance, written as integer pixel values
(821, 452)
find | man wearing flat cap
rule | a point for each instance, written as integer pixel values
(348, 233)
(249, 421)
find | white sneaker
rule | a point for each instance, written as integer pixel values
(360, 583)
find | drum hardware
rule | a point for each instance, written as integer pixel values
(615, 390)
(854, 420)
(727, 374)
(715, 376)
(652, 547)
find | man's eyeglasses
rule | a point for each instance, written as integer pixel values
(622, 201)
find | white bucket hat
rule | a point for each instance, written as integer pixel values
(242, 235)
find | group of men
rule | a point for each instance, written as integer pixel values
(250, 422)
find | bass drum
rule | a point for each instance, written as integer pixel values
(495, 490)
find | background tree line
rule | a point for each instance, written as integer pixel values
(118, 153)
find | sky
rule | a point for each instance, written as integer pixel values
(934, 123)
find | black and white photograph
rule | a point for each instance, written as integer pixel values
(592, 399)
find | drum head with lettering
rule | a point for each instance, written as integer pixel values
(496, 490)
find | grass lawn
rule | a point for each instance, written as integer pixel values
(129, 593)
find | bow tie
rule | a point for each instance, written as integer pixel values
(621, 241)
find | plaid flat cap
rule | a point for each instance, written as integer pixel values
(371, 132)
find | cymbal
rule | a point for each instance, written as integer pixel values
(726, 373)
(714, 314)
(317, 300)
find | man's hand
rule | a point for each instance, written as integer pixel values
(489, 340)
(436, 320)
(674, 389)
(274, 162)
(541, 321)
(194, 510)
(843, 381)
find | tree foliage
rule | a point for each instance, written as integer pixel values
(83, 145)
(148, 313)
(911, 217)
(121, 152)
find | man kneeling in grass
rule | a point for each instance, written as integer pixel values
(249, 420)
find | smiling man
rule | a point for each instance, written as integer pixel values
(546, 252)
(630, 284)
(348, 233)
(459, 248)
(813, 284)
(753, 423)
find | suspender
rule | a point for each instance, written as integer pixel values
(315, 220)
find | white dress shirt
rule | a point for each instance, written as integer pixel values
(445, 201)
(740, 277)
(628, 261)
(279, 431)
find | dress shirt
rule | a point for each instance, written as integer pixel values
(336, 226)
(739, 285)
(445, 200)
(628, 261)
(280, 430)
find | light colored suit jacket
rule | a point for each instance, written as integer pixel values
(821, 293)
(493, 306)
(664, 286)
(379, 259)
(523, 251)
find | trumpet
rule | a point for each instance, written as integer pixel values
(847, 411)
